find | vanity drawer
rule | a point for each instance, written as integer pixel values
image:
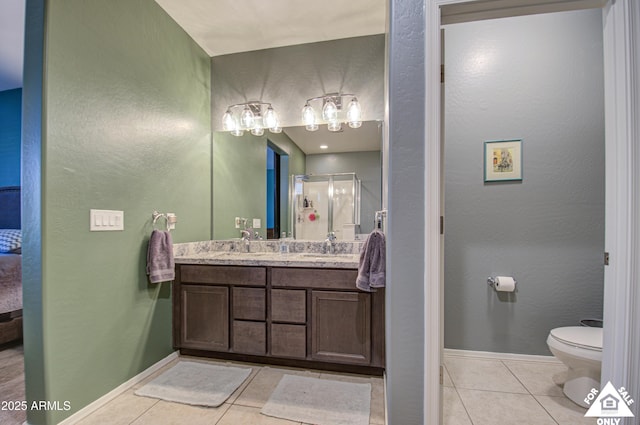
(288, 305)
(314, 278)
(250, 337)
(231, 275)
(249, 303)
(289, 340)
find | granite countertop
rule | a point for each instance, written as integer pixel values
(266, 253)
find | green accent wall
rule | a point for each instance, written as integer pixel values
(126, 126)
(240, 179)
(10, 120)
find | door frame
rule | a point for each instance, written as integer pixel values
(621, 349)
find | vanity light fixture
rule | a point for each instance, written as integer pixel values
(333, 111)
(253, 116)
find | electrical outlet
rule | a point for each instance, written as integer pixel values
(256, 223)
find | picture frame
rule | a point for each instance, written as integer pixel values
(503, 160)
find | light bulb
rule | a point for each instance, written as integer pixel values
(308, 116)
(329, 110)
(228, 123)
(237, 132)
(354, 114)
(334, 126)
(247, 118)
(257, 130)
(270, 118)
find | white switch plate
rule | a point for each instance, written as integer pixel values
(256, 223)
(106, 220)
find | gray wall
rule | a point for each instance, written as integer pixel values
(404, 152)
(288, 76)
(367, 167)
(538, 78)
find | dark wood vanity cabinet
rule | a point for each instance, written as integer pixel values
(341, 326)
(205, 317)
(283, 315)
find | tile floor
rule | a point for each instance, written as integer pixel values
(480, 391)
(242, 408)
(477, 391)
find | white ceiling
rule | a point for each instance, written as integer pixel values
(231, 26)
(366, 138)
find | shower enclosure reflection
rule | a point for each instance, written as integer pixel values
(325, 203)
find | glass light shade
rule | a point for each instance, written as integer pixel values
(257, 131)
(354, 114)
(228, 123)
(270, 118)
(329, 111)
(308, 116)
(237, 132)
(312, 127)
(334, 126)
(247, 118)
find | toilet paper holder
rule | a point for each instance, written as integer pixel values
(491, 281)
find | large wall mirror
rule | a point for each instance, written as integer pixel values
(254, 178)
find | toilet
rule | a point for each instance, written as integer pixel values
(580, 349)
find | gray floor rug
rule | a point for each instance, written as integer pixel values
(320, 401)
(199, 384)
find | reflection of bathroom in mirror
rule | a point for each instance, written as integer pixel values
(324, 204)
(251, 169)
(342, 182)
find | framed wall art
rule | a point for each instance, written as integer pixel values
(503, 160)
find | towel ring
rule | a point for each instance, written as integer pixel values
(169, 219)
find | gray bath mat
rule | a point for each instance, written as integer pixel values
(195, 383)
(320, 401)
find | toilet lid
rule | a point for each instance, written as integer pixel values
(579, 336)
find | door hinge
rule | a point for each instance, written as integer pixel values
(441, 376)
(442, 225)
(441, 73)
(606, 258)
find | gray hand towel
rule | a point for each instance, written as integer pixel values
(160, 265)
(371, 268)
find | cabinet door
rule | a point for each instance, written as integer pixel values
(341, 327)
(205, 317)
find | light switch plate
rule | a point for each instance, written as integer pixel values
(256, 223)
(106, 220)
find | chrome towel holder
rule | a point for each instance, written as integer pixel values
(169, 218)
(378, 218)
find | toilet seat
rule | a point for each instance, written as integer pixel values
(579, 336)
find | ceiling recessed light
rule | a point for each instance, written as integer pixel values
(324, 147)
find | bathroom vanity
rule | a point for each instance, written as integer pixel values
(287, 309)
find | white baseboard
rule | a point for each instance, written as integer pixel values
(92, 407)
(500, 356)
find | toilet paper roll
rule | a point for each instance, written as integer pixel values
(505, 284)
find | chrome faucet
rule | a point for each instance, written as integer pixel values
(330, 243)
(246, 237)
